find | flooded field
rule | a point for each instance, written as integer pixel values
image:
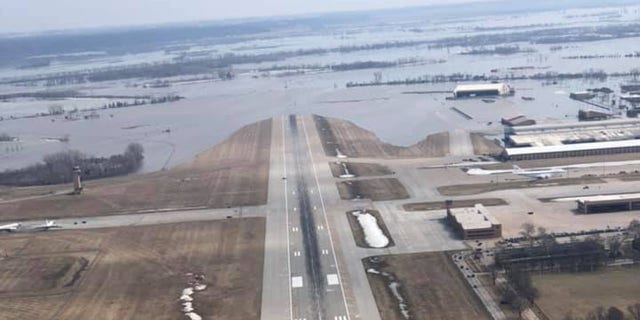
(175, 132)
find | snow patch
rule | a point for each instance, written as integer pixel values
(200, 287)
(373, 235)
(193, 316)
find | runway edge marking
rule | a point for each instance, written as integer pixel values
(286, 211)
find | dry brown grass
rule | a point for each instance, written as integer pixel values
(478, 188)
(440, 205)
(431, 284)
(137, 272)
(234, 173)
(355, 141)
(484, 146)
(358, 233)
(581, 293)
(360, 169)
(382, 189)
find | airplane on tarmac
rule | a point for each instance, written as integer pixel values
(48, 224)
(539, 173)
(10, 227)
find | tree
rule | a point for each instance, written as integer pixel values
(615, 314)
(615, 243)
(527, 230)
(634, 310)
(520, 305)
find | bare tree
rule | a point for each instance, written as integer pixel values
(527, 230)
(634, 310)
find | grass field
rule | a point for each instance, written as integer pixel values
(440, 205)
(580, 293)
(358, 233)
(234, 173)
(359, 169)
(478, 188)
(431, 285)
(134, 272)
(381, 189)
(355, 141)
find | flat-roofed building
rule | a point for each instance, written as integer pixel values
(474, 223)
(609, 203)
(482, 90)
(572, 150)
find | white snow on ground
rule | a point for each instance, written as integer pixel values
(193, 316)
(373, 235)
(187, 291)
(200, 287)
(187, 307)
(185, 297)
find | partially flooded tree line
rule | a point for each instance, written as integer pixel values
(57, 168)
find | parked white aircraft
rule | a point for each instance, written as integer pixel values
(539, 173)
(10, 227)
(48, 224)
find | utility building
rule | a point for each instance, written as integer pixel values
(482, 90)
(474, 223)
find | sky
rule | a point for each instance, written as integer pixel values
(41, 15)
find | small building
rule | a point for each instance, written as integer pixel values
(582, 95)
(474, 223)
(518, 121)
(629, 87)
(593, 115)
(609, 203)
(482, 90)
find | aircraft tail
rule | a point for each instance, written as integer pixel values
(516, 168)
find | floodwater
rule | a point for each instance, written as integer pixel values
(175, 132)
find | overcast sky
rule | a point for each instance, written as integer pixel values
(39, 15)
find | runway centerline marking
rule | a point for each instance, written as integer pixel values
(324, 212)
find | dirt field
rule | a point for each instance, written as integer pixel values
(354, 141)
(580, 293)
(360, 169)
(134, 272)
(234, 173)
(478, 188)
(440, 205)
(358, 233)
(375, 189)
(484, 146)
(431, 285)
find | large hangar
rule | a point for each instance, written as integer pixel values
(482, 90)
(572, 139)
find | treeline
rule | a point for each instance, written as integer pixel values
(6, 138)
(604, 56)
(500, 50)
(57, 168)
(611, 313)
(152, 100)
(460, 77)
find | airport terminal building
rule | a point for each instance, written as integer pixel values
(474, 223)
